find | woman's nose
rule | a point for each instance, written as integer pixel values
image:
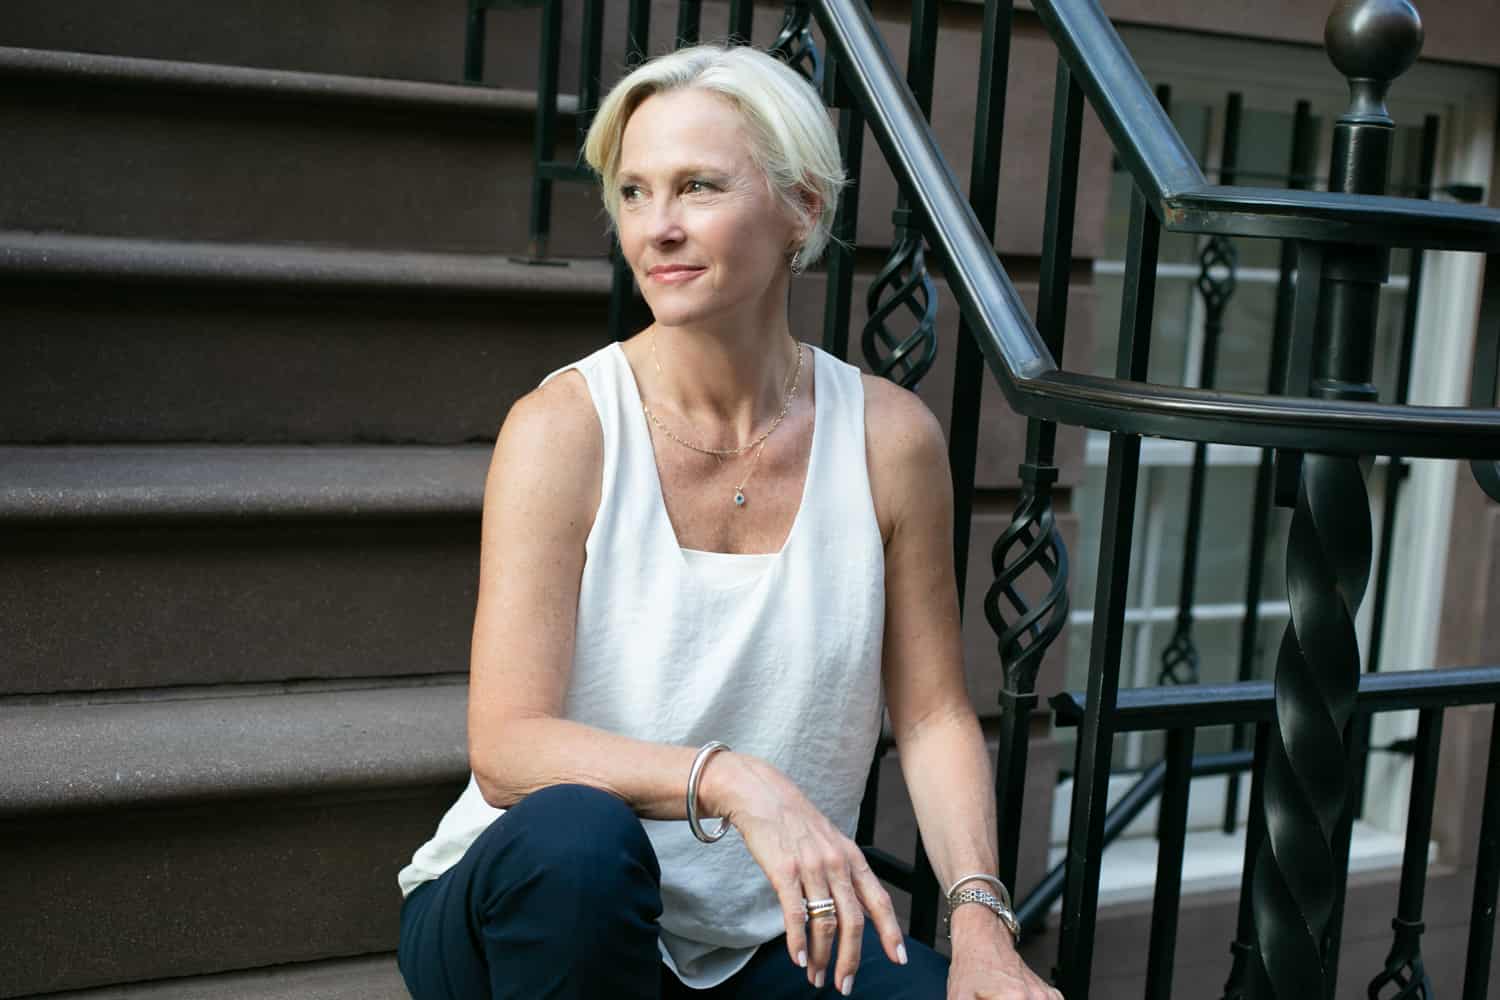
(665, 226)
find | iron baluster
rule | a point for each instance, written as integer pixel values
(968, 369)
(1031, 541)
(1404, 969)
(1486, 874)
(474, 25)
(903, 282)
(544, 139)
(1304, 143)
(637, 32)
(794, 42)
(1237, 986)
(1333, 933)
(1170, 848)
(590, 57)
(741, 21)
(840, 256)
(912, 356)
(689, 22)
(627, 312)
(1217, 264)
(1329, 544)
(1096, 737)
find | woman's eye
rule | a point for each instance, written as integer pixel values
(702, 184)
(628, 191)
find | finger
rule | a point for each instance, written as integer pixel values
(877, 902)
(851, 930)
(787, 883)
(820, 929)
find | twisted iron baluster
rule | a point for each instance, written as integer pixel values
(1317, 675)
(1298, 874)
(794, 42)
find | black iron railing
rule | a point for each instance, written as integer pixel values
(1318, 416)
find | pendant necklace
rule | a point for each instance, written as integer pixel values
(759, 444)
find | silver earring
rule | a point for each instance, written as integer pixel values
(797, 266)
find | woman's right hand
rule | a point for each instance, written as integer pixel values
(806, 857)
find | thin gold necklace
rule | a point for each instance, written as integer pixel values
(721, 453)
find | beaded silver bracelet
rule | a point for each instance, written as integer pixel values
(704, 752)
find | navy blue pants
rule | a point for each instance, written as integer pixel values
(560, 898)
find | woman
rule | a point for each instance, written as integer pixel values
(710, 534)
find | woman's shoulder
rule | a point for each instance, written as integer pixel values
(898, 424)
(552, 440)
(560, 412)
(904, 447)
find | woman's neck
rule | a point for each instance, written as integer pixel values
(727, 383)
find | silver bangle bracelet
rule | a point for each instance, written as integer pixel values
(704, 752)
(1001, 905)
(992, 880)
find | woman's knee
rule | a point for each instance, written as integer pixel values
(577, 833)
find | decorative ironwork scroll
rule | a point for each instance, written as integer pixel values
(902, 284)
(794, 42)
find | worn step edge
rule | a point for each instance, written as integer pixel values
(58, 257)
(372, 977)
(74, 758)
(57, 484)
(160, 77)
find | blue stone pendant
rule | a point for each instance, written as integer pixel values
(739, 499)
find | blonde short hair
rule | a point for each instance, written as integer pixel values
(792, 140)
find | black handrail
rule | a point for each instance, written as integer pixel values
(1181, 196)
(1019, 359)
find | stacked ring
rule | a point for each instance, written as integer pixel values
(819, 908)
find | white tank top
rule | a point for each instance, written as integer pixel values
(776, 654)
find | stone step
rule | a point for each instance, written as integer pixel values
(110, 145)
(181, 835)
(372, 978)
(404, 39)
(202, 565)
(278, 343)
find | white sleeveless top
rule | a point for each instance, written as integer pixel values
(776, 654)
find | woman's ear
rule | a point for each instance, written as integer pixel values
(812, 206)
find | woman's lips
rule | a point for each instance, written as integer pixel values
(676, 277)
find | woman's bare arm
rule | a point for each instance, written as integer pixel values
(938, 738)
(540, 499)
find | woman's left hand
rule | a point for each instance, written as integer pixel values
(985, 964)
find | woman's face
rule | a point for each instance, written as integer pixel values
(697, 221)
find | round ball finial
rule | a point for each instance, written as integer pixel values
(1372, 42)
